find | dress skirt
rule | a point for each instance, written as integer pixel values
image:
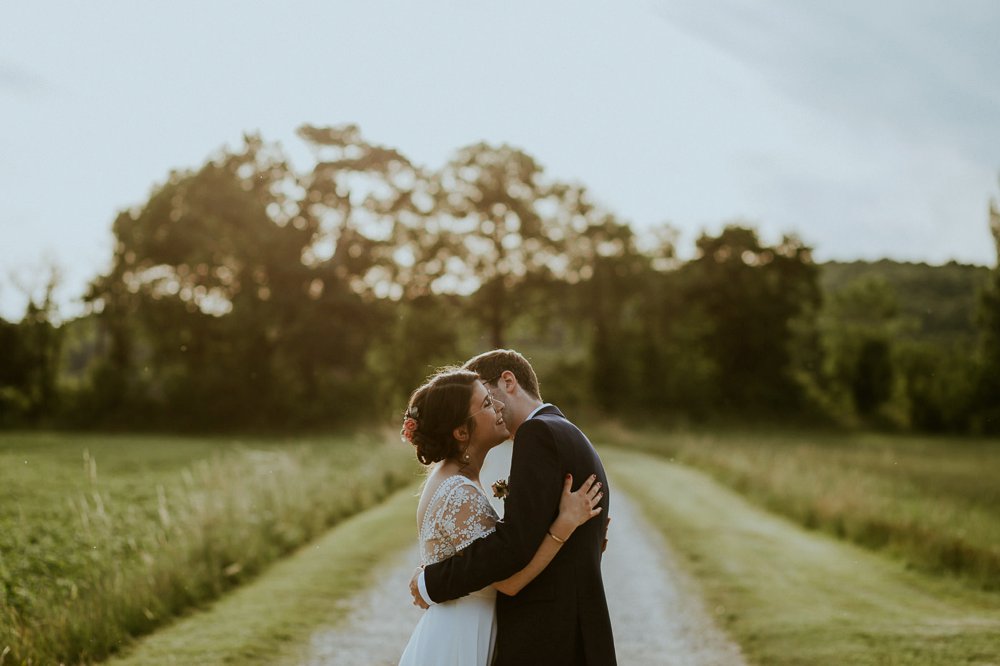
(461, 632)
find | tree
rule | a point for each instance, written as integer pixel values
(381, 209)
(29, 356)
(754, 301)
(608, 269)
(513, 226)
(939, 384)
(239, 289)
(860, 325)
(674, 370)
(872, 380)
(988, 389)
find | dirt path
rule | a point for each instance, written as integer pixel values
(379, 624)
(656, 611)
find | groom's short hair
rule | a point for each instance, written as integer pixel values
(490, 365)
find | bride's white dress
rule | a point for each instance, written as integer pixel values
(459, 632)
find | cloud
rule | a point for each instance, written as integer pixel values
(920, 70)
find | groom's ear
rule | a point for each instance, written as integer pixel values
(507, 382)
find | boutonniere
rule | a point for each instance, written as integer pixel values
(500, 489)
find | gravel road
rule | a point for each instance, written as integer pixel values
(657, 613)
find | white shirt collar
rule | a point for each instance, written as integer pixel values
(538, 409)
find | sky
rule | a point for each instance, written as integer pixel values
(869, 129)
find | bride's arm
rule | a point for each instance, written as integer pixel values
(574, 510)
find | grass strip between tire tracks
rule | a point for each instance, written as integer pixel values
(791, 596)
(269, 620)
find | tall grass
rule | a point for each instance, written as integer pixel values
(118, 559)
(935, 502)
(791, 597)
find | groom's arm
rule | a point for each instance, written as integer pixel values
(531, 506)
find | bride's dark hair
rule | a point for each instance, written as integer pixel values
(439, 406)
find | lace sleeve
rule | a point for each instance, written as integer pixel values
(468, 516)
(457, 515)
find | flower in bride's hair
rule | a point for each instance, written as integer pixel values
(500, 489)
(409, 427)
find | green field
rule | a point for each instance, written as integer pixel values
(932, 502)
(796, 597)
(788, 595)
(107, 537)
(111, 537)
(302, 592)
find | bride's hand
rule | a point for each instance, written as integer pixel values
(577, 508)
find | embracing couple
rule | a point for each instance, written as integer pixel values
(525, 590)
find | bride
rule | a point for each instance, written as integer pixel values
(452, 421)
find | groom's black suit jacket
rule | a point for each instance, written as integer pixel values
(561, 617)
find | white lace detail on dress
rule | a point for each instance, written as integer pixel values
(457, 515)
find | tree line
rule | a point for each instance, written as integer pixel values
(248, 294)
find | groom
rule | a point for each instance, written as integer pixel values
(561, 617)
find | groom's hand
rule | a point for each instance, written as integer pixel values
(415, 591)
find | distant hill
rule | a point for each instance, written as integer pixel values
(941, 301)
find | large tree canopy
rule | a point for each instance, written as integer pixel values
(248, 293)
(247, 283)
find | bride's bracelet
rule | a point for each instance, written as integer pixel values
(556, 538)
